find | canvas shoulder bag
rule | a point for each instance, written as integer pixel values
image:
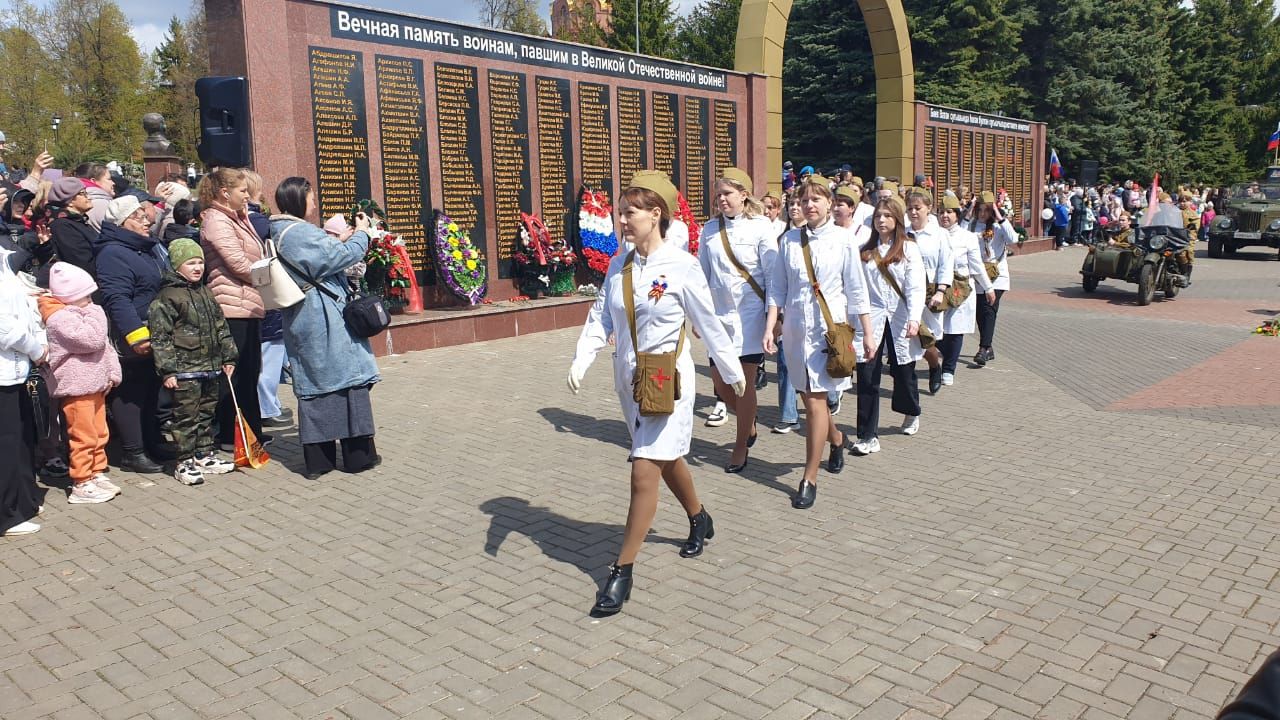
(277, 288)
(992, 266)
(656, 384)
(927, 340)
(842, 361)
(733, 259)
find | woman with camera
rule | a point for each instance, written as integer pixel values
(647, 298)
(333, 371)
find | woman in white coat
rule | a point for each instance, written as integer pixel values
(935, 250)
(668, 291)
(737, 251)
(996, 237)
(967, 256)
(895, 283)
(22, 345)
(840, 279)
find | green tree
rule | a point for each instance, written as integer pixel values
(31, 96)
(582, 28)
(177, 63)
(708, 34)
(515, 15)
(966, 53)
(828, 87)
(1207, 68)
(657, 23)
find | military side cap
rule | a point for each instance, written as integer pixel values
(890, 186)
(772, 194)
(739, 176)
(922, 192)
(950, 202)
(659, 183)
(856, 180)
(816, 179)
(847, 192)
(987, 197)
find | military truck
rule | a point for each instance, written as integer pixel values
(1249, 215)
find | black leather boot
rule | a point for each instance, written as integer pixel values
(805, 495)
(701, 529)
(617, 590)
(935, 380)
(138, 462)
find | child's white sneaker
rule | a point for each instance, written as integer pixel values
(188, 473)
(214, 465)
(88, 493)
(104, 482)
(22, 528)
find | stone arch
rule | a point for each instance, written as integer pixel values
(762, 30)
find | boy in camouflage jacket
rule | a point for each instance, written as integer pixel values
(192, 345)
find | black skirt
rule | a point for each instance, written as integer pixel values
(18, 494)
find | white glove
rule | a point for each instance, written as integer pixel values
(574, 380)
(740, 387)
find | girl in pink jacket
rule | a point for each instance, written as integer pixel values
(82, 369)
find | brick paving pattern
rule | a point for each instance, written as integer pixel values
(1086, 550)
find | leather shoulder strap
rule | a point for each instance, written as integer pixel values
(629, 300)
(733, 259)
(888, 276)
(813, 277)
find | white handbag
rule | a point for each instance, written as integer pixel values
(272, 281)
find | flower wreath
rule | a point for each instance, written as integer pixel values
(460, 264)
(685, 215)
(595, 229)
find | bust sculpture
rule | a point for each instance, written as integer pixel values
(156, 144)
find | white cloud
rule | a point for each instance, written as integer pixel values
(149, 36)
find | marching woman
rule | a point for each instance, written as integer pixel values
(647, 298)
(895, 284)
(738, 249)
(935, 250)
(969, 274)
(817, 280)
(995, 237)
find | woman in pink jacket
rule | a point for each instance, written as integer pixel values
(231, 246)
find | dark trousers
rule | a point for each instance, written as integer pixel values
(247, 334)
(950, 347)
(987, 318)
(194, 404)
(133, 405)
(18, 494)
(906, 387)
(358, 454)
(1059, 235)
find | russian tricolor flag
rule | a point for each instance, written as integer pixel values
(1274, 142)
(1055, 167)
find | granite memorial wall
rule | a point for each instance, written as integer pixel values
(426, 115)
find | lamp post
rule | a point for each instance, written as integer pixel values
(57, 122)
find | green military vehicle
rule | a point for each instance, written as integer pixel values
(1250, 215)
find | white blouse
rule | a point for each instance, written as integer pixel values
(755, 246)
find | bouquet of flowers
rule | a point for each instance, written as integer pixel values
(595, 228)
(685, 215)
(545, 265)
(387, 272)
(461, 264)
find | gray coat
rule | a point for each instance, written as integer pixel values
(325, 357)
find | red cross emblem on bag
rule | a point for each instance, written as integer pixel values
(658, 378)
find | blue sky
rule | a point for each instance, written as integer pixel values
(149, 25)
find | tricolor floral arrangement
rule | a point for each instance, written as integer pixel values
(595, 229)
(461, 264)
(685, 215)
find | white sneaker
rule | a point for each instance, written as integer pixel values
(719, 415)
(214, 465)
(187, 473)
(910, 424)
(948, 379)
(88, 493)
(866, 447)
(104, 482)
(22, 528)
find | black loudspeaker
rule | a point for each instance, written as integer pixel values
(1088, 173)
(224, 121)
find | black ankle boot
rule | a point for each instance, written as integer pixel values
(138, 462)
(617, 590)
(701, 529)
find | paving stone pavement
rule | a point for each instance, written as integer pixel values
(1030, 554)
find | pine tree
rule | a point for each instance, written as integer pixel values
(828, 96)
(1206, 69)
(178, 62)
(657, 27)
(966, 53)
(708, 34)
